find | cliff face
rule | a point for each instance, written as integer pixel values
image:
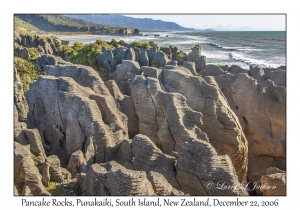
(150, 130)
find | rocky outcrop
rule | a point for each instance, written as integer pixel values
(260, 107)
(95, 180)
(161, 186)
(156, 57)
(121, 181)
(152, 95)
(196, 57)
(274, 182)
(26, 175)
(125, 105)
(77, 163)
(20, 111)
(48, 45)
(71, 117)
(122, 74)
(54, 169)
(211, 70)
(190, 66)
(106, 58)
(201, 171)
(36, 146)
(278, 76)
(219, 122)
(23, 52)
(167, 51)
(50, 60)
(19, 98)
(147, 157)
(234, 69)
(162, 115)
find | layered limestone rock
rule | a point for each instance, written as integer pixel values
(19, 98)
(113, 179)
(122, 74)
(106, 58)
(273, 183)
(121, 181)
(72, 117)
(161, 186)
(196, 57)
(36, 146)
(95, 180)
(219, 122)
(147, 157)
(77, 163)
(201, 171)
(191, 66)
(212, 70)
(26, 174)
(278, 76)
(125, 105)
(260, 108)
(54, 169)
(164, 117)
(19, 129)
(46, 59)
(47, 45)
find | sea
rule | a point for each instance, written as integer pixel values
(244, 48)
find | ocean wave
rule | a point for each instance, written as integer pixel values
(251, 61)
(224, 47)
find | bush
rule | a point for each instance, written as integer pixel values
(28, 72)
(181, 54)
(122, 42)
(153, 63)
(197, 46)
(145, 45)
(34, 52)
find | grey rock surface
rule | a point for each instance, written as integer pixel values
(95, 180)
(261, 110)
(196, 57)
(26, 175)
(77, 163)
(220, 123)
(122, 182)
(71, 117)
(147, 157)
(126, 107)
(200, 171)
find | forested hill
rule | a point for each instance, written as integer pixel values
(139, 23)
(61, 23)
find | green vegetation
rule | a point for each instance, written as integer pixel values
(145, 45)
(28, 72)
(153, 63)
(116, 59)
(56, 189)
(34, 52)
(197, 46)
(114, 42)
(86, 54)
(22, 27)
(180, 54)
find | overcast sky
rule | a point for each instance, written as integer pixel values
(225, 22)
